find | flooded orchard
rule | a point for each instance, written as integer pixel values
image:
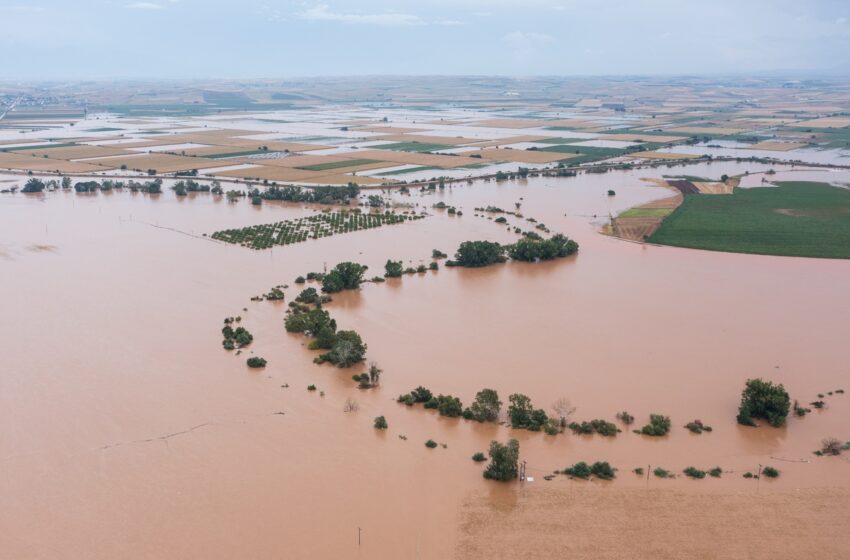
(127, 431)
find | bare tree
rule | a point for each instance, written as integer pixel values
(563, 409)
(830, 446)
(351, 405)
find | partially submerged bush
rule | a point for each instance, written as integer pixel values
(658, 425)
(381, 423)
(256, 362)
(625, 418)
(579, 470)
(715, 472)
(763, 399)
(770, 472)
(662, 473)
(430, 444)
(479, 457)
(393, 269)
(694, 472)
(446, 405)
(601, 427)
(697, 427)
(311, 387)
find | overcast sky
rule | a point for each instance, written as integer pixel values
(46, 39)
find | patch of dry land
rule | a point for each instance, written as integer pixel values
(29, 162)
(660, 155)
(586, 521)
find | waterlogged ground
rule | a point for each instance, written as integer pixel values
(128, 432)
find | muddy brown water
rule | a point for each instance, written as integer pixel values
(127, 432)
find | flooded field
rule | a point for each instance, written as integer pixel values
(128, 432)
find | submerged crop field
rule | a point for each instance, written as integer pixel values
(801, 219)
(326, 224)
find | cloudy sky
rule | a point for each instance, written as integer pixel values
(62, 39)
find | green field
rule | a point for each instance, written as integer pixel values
(338, 164)
(797, 219)
(646, 213)
(412, 147)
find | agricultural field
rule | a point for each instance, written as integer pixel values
(325, 224)
(801, 219)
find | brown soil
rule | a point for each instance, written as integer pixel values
(569, 519)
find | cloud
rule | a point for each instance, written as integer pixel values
(145, 6)
(525, 44)
(322, 12)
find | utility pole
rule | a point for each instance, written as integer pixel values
(758, 479)
(359, 530)
(522, 472)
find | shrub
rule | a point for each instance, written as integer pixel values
(446, 405)
(393, 269)
(380, 423)
(300, 280)
(602, 470)
(662, 473)
(830, 446)
(430, 444)
(770, 472)
(715, 472)
(625, 417)
(255, 362)
(406, 399)
(504, 459)
(748, 475)
(694, 472)
(579, 470)
(799, 410)
(479, 457)
(638, 471)
(602, 427)
(763, 399)
(697, 427)
(552, 427)
(658, 425)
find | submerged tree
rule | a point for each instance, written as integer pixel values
(763, 399)
(347, 349)
(563, 409)
(504, 461)
(485, 407)
(393, 269)
(344, 276)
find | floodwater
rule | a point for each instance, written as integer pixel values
(126, 431)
